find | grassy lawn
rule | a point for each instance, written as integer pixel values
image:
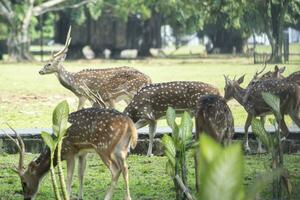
(147, 177)
(27, 98)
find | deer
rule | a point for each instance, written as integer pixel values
(107, 132)
(255, 106)
(152, 101)
(212, 116)
(294, 77)
(113, 84)
(257, 78)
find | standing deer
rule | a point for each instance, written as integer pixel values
(112, 84)
(288, 92)
(107, 132)
(212, 116)
(152, 102)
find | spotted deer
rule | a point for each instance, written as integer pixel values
(258, 77)
(152, 102)
(213, 116)
(294, 77)
(288, 92)
(104, 131)
(112, 84)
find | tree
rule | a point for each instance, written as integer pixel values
(20, 17)
(271, 17)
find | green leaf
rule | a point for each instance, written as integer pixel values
(170, 169)
(209, 148)
(260, 132)
(171, 117)
(60, 118)
(274, 102)
(185, 128)
(224, 175)
(48, 140)
(169, 146)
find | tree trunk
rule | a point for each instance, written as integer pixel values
(18, 44)
(278, 10)
(151, 37)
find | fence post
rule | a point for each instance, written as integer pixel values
(286, 46)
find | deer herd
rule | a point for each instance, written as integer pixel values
(109, 133)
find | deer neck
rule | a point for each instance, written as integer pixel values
(65, 78)
(239, 94)
(43, 163)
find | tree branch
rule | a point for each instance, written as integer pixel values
(51, 6)
(5, 11)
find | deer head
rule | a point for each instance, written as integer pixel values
(230, 86)
(30, 178)
(54, 64)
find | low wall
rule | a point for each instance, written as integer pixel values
(34, 144)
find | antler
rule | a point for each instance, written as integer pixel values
(21, 148)
(67, 43)
(258, 73)
(95, 97)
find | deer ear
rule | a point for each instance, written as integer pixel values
(281, 70)
(241, 79)
(226, 79)
(31, 167)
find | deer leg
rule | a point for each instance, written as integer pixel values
(81, 170)
(247, 124)
(125, 176)
(259, 147)
(152, 130)
(70, 172)
(284, 127)
(81, 102)
(115, 173)
(296, 118)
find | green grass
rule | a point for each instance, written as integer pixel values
(27, 98)
(147, 177)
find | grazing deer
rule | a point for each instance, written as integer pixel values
(152, 102)
(113, 84)
(288, 92)
(213, 116)
(107, 132)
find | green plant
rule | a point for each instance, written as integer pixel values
(221, 170)
(54, 142)
(176, 147)
(273, 144)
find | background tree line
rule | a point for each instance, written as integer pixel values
(136, 24)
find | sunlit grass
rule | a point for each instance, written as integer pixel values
(27, 98)
(147, 176)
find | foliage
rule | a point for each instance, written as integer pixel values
(273, 144)
(221, 170)
(60, 125)
(177, 146)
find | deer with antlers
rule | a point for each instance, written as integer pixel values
(104, 131)
(212, 116)
(152, 102)
(112, 84)
(288, 92)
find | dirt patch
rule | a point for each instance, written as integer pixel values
(28, 98)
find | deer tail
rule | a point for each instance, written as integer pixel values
(134, 135)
